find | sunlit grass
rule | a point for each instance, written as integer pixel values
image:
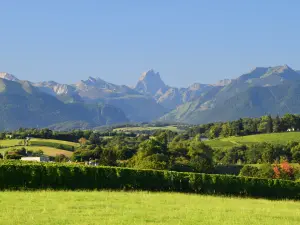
(39, 140)
(47, 207)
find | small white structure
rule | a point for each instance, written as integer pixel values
(36, 159)
(92, 163)
(291, 129)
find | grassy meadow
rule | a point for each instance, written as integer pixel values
(274, 138)
(37, 141)
(62, 208)
(50, 147)
(15, 142)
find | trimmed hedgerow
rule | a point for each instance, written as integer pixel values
(70, 177)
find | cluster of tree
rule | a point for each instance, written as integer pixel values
(169, 150)
(179, 152)
(59, 135)
(276, 171)
(163, 150)
(258, 153)
(247, 126)
(21, 152)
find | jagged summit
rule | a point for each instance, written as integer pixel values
(150, 73)
(8, 76)
(150, 82)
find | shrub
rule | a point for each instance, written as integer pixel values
(266, 171)
(249, 171)
(284, 171)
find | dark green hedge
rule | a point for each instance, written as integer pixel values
(228, 169)
(71, 177)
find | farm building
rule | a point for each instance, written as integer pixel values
(37, 159)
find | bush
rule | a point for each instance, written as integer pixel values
(266, 171)
(249, 171)
(201, 164)
(21, 175)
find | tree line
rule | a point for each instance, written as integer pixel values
(247, 126)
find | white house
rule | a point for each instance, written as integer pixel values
(291, 129)
(36, 159)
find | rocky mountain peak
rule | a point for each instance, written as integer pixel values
(223, 82)
(150, 82)
(8, 76)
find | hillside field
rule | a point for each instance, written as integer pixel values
(274, 138)
(47, 150)
(122, 208)
(15, 142)
(50, 147)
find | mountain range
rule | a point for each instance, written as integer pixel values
(95, 102)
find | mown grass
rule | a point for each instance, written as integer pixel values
(47, 150)
(274, 138)
(39, 140)
(11, 142)
(62, 208)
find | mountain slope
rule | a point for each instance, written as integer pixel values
(136, 106)
(151, 84)
(263, 90)
(8, 76)
(23, 105)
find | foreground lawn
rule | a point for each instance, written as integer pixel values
(47, 207)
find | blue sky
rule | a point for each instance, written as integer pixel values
(186, 41)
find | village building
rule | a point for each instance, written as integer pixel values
(36, 159)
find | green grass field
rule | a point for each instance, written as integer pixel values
(33, 140)
(11, 142)
(133, 129)
(14, 142)
(275, 138)
(94, 208)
